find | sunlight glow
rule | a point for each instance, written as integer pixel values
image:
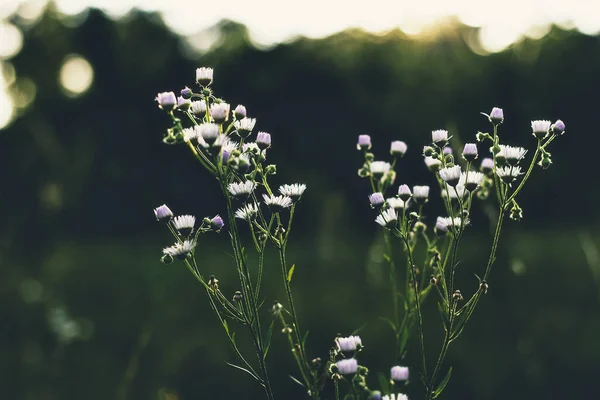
(76, 75)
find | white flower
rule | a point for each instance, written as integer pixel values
(204, 76)
(396, 203)
(387, 218)
(219, 112)
(508, 173)
(399, 373)
(248, 212)
(181, 222)
(198, 108)
(350, 343)
(443, 224)
(277, 203)
(433, 164)
(440, 135)
(420, 192)
(245, 124)
(189, 134)
(512, 154)
(470, 180)
(180, 250)
(450, 175)
(162, 212)
(398, 396)
(238, 189)
(166, 100)
(295, 190)
(347, 366)
(376, 199)
(251, 148)
(208, 132)
(379, 167)
(398, 148)
(540, 128)
(460, 189)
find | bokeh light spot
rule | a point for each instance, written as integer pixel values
(76, 75)
(11, 40)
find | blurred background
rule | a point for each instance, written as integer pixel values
(88, 311)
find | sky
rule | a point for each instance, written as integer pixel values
(274, 21)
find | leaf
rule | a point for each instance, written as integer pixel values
(390, 322)
(403, 339)
(268, 340)
(290, 273)
(442, 384)
(245, 370)
(444, 315)
(226, 327)
(297, 381)
(384, 382)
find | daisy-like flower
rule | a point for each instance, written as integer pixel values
(162, 212)
(398, 148)
(540, 128)
(239, 112)
(496, 116)
(445, 224)
(204, 76)
(166, 100)
(433, 164)
(180, 250)
(183, 104)
(399, 373)
(189, 134)
(440, 135)
(450, 175)
(558, 127)
(198, 108)
(455, 192)
(395, 203)
(376, 199)
(277, 203)
(227, 148)
(387, 218)
(263, 140)
(470, 151)
(208, 132)
(244, 126)
(219, 112)
(379, 168)
(347, 366)
(350, 343)
(293, 191)
(399, 396)
(184, 222)
(420, 194)
(508, 174)
(251, 148)
(471, 180)
(404, 192)
(248, 212)
(511, 154)
(241, 189)
(487, 165)
(364, 142)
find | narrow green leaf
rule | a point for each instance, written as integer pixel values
(290, 273)
(226, 327)
(245, 370)
(297, 381)
(384, 382)
(390, 322)
(268, 339)
(442, 384)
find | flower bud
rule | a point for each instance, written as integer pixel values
(470, 152)
(428, 151)
(204, 76)
(183, 104)
(263, 140)
(186, 93)
(166, 100)
(496, 116)
(404, 192)
(239, 112)
(398, 148)
(558, 127)
(364, 142)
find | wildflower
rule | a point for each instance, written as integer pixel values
(180, 250)
(470, 151)
(251, 148)
(404, 192)
(378, 168)
(399, 373)
(242, 163)
(204, 76)
(347, 366)
(450, 175)
(399, 396)
(189, 134)
(294, 191)
(558, 128)
(471, 180)
(444, 224)
(216, 223)
(455, 192)
(440, 135)
(387, 218)
(162, 212)
(447, 150)
(247, 212)
(508, 174)
(540, 128)
(364, 142)
(219, 142)
(166, 100)
(511, 154)
(350, 343)
(239, 112)
(184, 222)
(226, 150)
(263, 140)
(420, 194)
(487, 165)
(433, 164)
(186, 93)
(219, 112)
(395, 203)
(244, 126)
(241, 189)
(398, 148)
(277, 203)
(376, 199)
(208, 132)
(198, 108)
(496, 116)
(183, 104)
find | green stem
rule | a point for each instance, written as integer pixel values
(529, 170)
